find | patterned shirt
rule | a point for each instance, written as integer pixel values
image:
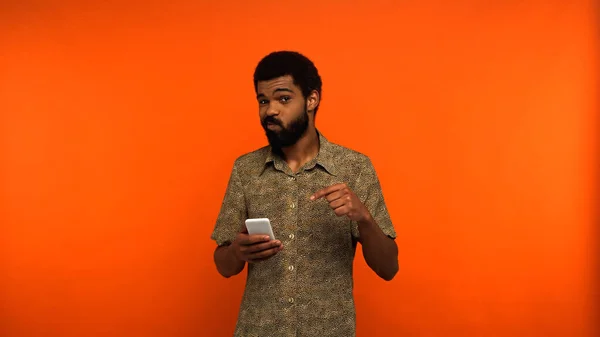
(307, 288)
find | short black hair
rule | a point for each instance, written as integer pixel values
(299, 67)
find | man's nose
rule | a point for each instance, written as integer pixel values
(272, 110)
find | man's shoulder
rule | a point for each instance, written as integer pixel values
(344, 155)
(252, 162)
(257, 156)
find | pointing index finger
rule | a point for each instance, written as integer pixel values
(327, 190)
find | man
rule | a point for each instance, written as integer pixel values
(321, 198)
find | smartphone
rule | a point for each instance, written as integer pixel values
(260, 226)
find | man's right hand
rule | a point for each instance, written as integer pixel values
(254, 248)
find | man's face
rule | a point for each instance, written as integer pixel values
(283, 111)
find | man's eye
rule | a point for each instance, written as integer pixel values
(284, 99)
(263, 102)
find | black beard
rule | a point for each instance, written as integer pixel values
(286, 136)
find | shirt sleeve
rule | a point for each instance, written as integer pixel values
(233, 211)
(368, 189)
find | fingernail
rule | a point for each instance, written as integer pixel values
(312, 197)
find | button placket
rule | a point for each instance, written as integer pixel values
(293, 214)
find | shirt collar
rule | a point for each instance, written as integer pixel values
(325, 157)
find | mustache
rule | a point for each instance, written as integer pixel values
(271, 120)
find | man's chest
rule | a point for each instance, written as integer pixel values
(285, 200)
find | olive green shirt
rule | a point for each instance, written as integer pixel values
(305, 289)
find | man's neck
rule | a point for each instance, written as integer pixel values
(305, 149)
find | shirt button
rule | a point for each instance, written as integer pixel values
(292, 236)
(292, 205)
(291, 268)
(291, 300)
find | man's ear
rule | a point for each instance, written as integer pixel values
(312, 101)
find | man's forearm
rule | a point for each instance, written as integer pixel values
(379, 250)
(227, 263)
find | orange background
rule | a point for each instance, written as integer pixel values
(120, 123)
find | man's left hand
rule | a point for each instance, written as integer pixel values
(343, 201)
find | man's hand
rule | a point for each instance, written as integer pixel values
(343, 201)
(254, 248)
(380, 251)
